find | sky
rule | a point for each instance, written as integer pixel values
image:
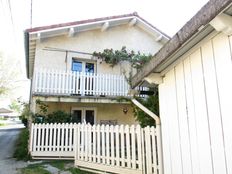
(167, 15)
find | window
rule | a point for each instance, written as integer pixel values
(84, 115)
(89, 67)
(82, 66)
(76, 66)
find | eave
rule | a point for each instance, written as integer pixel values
(74, 28)
(187, 37)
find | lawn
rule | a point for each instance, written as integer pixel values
(61, 165)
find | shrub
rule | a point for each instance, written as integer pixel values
(58, 117)
(152, 103)
(21, 151)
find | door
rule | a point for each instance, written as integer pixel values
(77, 116)
(89, 117)
(84, 80)
(84, 115)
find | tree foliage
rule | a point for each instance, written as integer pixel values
(113, 57)
(8, 73)
(16, 106)
(43, 116)
(152, 103)
(25, 113)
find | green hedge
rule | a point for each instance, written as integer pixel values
(21, 151)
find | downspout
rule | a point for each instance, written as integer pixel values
(147, 111)
(158, 132)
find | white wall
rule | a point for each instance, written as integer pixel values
(196, 110)
(132, 37)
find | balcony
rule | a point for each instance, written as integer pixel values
(56, 82)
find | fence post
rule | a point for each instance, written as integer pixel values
(31, 137)
(143, 151)
(75, 144)
(159, 149)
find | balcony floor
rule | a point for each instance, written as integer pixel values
(78, 98)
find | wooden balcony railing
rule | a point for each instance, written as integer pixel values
(58, 82)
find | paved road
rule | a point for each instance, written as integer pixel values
(8, 136)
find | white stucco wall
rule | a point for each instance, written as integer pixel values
(195, 109)
(133, 38)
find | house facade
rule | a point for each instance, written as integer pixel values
(193, 72)
(66, 76)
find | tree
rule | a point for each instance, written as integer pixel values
(16, 105)
(8, 73)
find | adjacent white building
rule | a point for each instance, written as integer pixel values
(194, 75)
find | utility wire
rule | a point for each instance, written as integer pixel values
(11, 19)
(11, 16)
(31, 14)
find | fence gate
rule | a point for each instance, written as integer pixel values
(118, 149)
(53, 141)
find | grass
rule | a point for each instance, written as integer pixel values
(3, 118)
(21, 151)
(60, 164)
(2, 124)
(78, 171)
(34, 169)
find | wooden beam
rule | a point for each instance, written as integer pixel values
(38, 37)
(71, 32)
(159, 38)
(132, 22)
(154, 78)
(105, 26)
(222, 23)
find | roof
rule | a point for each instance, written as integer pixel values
(68, 24)
(190, 34)
(70, 28)
(3, 111)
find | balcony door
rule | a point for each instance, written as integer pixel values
(84, 81)
(84, 115)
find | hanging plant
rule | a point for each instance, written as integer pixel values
(113, 57)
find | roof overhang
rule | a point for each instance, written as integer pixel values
(33, 35)
(187, 37)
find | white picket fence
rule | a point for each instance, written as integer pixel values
(116, 149)
(60, 82)
(52, 140)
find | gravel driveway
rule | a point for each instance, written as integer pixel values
(8, 136)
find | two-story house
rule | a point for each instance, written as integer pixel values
(66, 76)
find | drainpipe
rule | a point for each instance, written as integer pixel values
(147, 111)
(158, 132)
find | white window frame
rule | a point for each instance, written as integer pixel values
(84, 61)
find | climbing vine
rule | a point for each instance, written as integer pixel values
(113, 57)
(137, 60)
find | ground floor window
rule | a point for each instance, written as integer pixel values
(84, 115)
